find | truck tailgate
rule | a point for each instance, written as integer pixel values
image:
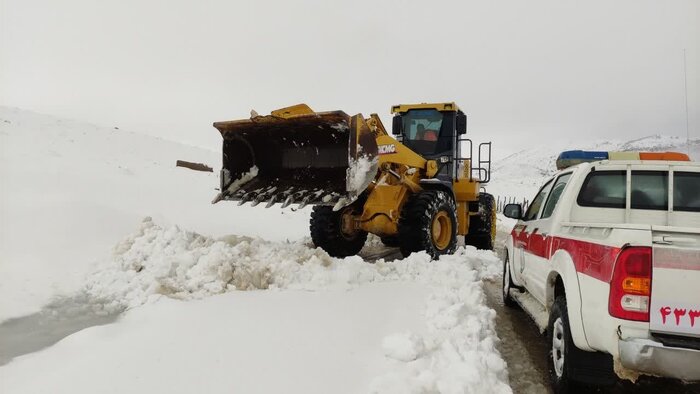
(675, 285)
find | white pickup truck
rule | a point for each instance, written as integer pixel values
(606, 260)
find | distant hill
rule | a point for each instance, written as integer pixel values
(521, 174)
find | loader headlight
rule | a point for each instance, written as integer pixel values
(444, 159)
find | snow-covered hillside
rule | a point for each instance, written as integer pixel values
(99, 221)
(70, 190)
(522, 173)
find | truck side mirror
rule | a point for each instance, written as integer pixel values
(461, 123)
(397, 125)
(513, 211)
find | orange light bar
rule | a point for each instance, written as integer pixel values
(634, 285)
(665, 156)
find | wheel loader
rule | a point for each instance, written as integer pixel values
(417, 190)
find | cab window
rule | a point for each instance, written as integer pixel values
(428, 131)
(536, 204)
(604, 189)
(649, 190)
(555, 194)
(686, 191)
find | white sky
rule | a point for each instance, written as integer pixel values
(524, 71)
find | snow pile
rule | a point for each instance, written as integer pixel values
(360, 173)
(168, 261)
(455, 353)
(404, 346)
(458, 353)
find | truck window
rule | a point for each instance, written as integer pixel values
(686, 191)
(555, 194)
(649, 190)
(534, 208)
(604, 189)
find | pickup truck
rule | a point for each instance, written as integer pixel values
(606, 260)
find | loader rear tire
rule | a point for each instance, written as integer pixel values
(390, 241)
(327, 232)
(482, 226)
(428, 222)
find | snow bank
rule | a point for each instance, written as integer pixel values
(455, 353)
(168, 261)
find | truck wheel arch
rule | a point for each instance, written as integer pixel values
(510, 252)
(563, 277)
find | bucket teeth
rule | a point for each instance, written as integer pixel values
(305, 201)
(258, 199)
(329, 198)
(244, 198)
(289, 200)
(272, 201)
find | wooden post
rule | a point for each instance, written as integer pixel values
(194, 166)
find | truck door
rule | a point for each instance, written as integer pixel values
(537, 265)
(522, 233)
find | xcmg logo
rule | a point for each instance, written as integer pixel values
(386, 149)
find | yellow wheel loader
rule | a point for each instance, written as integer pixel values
(417, 191)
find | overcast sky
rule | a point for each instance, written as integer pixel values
(524, 71)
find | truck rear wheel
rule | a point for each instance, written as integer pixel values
(331, 232)
(571, 368)
(482, 226)
(559, 338)
(428, 222)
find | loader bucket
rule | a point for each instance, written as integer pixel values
(297, 156)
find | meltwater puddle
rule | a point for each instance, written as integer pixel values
(57, 320)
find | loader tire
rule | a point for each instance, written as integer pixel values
(428, 222)
(327, 233)
(482, 226)
(390, 241)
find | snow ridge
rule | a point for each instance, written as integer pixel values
(456, 353)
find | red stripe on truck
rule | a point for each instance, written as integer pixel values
(592, 259)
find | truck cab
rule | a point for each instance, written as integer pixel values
(606, 259)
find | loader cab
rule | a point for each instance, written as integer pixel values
(430, 130)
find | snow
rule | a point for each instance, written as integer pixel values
(247, 342)
(404, 346)
(360, 173)
(214, 298)
(245, 178)
(450, 346)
